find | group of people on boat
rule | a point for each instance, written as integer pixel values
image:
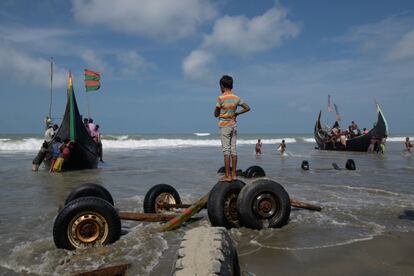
(57, 151)
(93, 131)
(335, 134)
(60, 153)
(53, 149)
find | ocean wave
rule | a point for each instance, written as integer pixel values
(397, 139)
(121, 142)
(142, 142)
(201, 133)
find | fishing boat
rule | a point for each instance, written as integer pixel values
(358, 143)
(84, 154)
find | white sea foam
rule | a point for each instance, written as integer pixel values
(122, 142)
(201, 134)
(397, 139)
(114, 142)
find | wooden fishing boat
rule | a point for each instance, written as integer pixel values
(84, 154)
(358, 143)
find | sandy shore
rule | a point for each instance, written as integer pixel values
(388, 254)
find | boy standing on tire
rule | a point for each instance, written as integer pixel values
(226, 111)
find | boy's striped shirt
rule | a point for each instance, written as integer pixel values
(228, 103)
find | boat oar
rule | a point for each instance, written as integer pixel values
(186, 214)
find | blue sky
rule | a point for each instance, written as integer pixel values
(160, 62)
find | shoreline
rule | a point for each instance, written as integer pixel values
(387, 254)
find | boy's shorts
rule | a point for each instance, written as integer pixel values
(228, 137)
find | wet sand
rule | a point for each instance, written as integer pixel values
(388, 254)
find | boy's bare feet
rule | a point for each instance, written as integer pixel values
(225, 179)
(234, 178)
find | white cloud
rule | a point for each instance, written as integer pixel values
(383, 39)
(162, 19)
(239, 35)
(196, 65)
(132, 63)
(27, 70)
(94, 62)
(32, 35)
(403, 49)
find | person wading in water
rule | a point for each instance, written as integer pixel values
(226, 111)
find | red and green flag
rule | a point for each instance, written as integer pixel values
(92, 80)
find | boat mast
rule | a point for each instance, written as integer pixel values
(51, 87)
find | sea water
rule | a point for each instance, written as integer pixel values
(377, 197)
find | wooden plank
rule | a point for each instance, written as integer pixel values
(186, 214)
(117, 270)
(145, 216)
(300, 204)
(171, 206)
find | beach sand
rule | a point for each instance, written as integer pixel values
(388, 254)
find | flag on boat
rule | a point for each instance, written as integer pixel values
(338, 116)
(329, 104)
(92, 80)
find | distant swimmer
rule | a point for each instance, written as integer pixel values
(282, 147)
(258, 147)
(408, 144)
(226, 112)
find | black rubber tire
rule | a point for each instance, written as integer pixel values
(254, 171)
(207, 251)
(335, 166)
(151, 196)
(90, 189)
(84, 206)
(239, 172)
(222, 204)
(305, 165)
(223, 170)
(263, 191)
(350, 165)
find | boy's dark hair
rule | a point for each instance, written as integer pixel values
(226, 82)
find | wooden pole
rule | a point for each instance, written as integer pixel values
(300, 204)
(186, 214)
(106, 271)
(51, 87)
(145, 216)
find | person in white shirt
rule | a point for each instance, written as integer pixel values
(50, 132)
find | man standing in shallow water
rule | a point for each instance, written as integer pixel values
(226, 111)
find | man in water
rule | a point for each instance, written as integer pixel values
(408, 144)
(226, 111)
(282, 147)
(258, 147)
(98, 142)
